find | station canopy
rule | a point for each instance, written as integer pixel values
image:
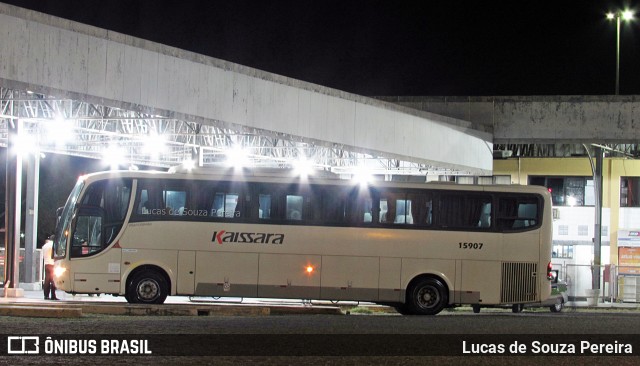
(127, 139)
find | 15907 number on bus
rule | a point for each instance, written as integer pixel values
(472, 246)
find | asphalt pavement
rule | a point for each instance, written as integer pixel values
(32, 303)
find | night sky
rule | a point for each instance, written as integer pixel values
(394, 47)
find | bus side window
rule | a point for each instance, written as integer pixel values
(396, 208)
(485, 216)
(384, 210)
(294, 207)
(143, 204)
(333, 201)
(264, 212)
(225, 205)
(174, 202)
(465, 211)
(420, 209)
(360, 207)
(149, 199)
(517, 213)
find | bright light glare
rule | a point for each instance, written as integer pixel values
(189, 164)
(154, 144)
(303, 167)
(113, 156)
(60, 131)
(237, 157)
(25, 144)
(625, 15)
(59, 271)
(363, 176)
(571, 201)
(309, 269)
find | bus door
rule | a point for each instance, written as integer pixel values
(96, 270)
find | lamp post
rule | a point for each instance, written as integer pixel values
(626, 15)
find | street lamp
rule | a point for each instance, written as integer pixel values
(626, 15)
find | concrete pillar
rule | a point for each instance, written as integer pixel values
(12, 212)
(597, 239)
(31, 260)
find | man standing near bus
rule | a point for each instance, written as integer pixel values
(49, 285)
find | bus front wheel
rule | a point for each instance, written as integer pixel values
(147, 287)
(428, 296)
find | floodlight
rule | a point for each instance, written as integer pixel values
(303, 167)
(60, 131)
(154, 144)
(113, 156)
(25, 143)
(189, 164)
(363, 176)
(237, 157)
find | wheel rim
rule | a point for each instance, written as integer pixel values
(428, 297)
(148, 290)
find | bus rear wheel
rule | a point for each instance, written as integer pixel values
(147, 287)
(517, 308)
(428, 296)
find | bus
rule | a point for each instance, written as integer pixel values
(420, 247)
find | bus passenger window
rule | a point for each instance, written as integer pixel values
(485, 216)
(225, 205)
(462, 211)
(264, 212)
(294, 207)
(403, 212)
(368, 210)
(143, 206)
(332, 208)
(517, 213)
(384, 209)
(174, 202)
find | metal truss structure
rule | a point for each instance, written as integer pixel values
(78, 128)
(563, 150)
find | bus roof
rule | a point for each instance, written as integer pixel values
(290, 176)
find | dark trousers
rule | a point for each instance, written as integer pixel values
(49, 286)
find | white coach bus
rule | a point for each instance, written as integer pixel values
(418, 247)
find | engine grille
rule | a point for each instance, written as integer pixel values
(518, 282)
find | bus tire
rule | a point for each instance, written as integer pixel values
(517, 308)
(402, 309)
(476, 308)
(557, 307)
(147, 287)
(428, 296)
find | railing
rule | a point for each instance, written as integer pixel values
(21, 269)
(617, 283)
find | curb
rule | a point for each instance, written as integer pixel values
(76, 309)
(41, 311)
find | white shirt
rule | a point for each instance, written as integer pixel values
(47, 249)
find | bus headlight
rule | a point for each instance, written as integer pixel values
(59, 271)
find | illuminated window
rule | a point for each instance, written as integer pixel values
(562, 251)
(567, 191)
(630, 192)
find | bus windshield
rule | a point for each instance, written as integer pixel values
(62, 229)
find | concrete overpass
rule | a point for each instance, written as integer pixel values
(577, 119)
